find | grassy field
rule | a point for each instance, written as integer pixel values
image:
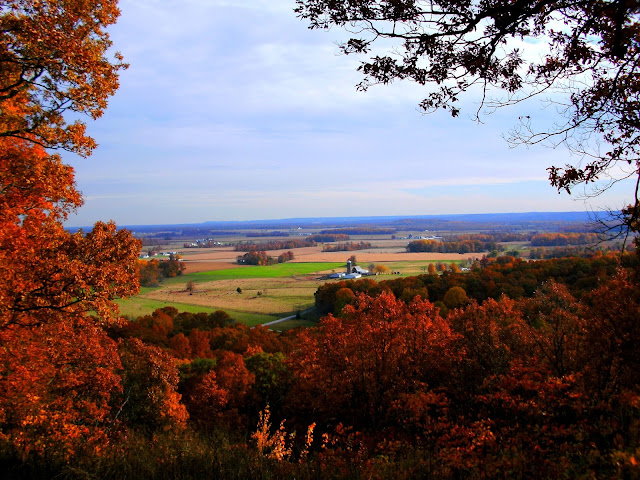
(138, 306)
(268, 292)
(293, 323)
(413, 267)
(268, 271)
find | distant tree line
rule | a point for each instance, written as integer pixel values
(346, 247)
(561, 239)
(491, 237)
(361, 231)
(329, 237)
(573, 251)
(261, 258)
(310, 241)
(447, 246)
(150, 242)
(275, 245)
(275, 233)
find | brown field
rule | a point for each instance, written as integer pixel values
(208, 259)
(194, 266)
(278, 295)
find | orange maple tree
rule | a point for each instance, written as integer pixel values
(53, 60)
(58, 368)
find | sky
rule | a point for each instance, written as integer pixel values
(235, 110)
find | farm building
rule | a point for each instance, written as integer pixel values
(351, 269)
(350, 276)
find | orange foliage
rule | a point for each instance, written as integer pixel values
(150, 379)
(54, 60)
(206, 400)
(355, 366)
(233, 376)
(58, 380)
(58, 366)
(180, 346)
(199, 344)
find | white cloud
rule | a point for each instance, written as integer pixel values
(235, 110)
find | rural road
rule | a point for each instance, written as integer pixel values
(283, 319)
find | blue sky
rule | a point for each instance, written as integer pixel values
(234, 110)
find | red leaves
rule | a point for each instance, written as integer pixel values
(353, 367)
(58, 369)
(48, 270)
(56, 387)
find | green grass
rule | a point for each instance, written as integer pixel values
(293, 323)
(137, 306)
(268, 271)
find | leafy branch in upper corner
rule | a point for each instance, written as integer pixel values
(589, 70)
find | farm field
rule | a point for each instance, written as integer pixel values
(140, 305)
(384, 251)
(267, 292)
(274, 291)
(284, 289)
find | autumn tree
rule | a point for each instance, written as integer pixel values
(53, 61)
(149, 273)
(285, 257)
(58, 385)
(150, 382)
(589, 68)
(344, 296)
(555, 328)
(380, 269)
(57, 288)
(272, 378)
(455, 297)
(355, 367)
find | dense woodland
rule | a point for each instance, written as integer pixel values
(528, 367)
(452, 246)
(275, 245)
(515, 369)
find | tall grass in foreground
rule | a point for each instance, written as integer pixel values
(187, 455)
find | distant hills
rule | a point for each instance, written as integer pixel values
(480, 221)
